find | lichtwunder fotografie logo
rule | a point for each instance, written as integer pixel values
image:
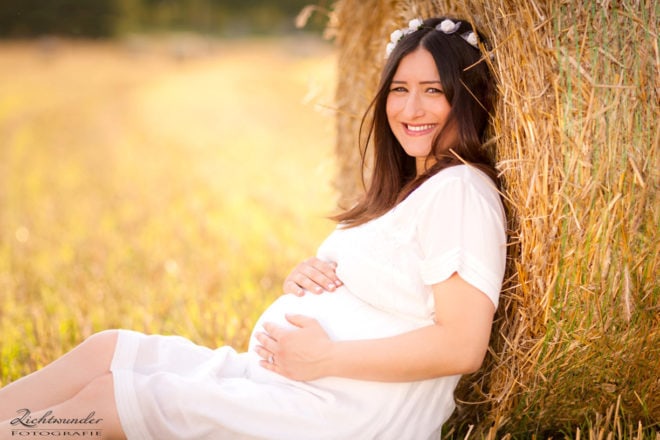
(47, 424)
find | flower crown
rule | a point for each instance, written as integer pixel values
(447, 26)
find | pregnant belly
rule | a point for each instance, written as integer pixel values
(342, 315)
(359, 408)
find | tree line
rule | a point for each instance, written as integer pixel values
(110, 18)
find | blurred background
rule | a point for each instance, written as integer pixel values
(163, 165)
(112, 18)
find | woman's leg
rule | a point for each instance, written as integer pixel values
(93, 407)
(62, 379)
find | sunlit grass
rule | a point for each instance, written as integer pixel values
(144, 191)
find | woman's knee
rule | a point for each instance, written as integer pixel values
(101, 342)
(103, 338)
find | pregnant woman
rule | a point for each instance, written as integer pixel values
(375, 331)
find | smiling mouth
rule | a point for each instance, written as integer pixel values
(419, 128)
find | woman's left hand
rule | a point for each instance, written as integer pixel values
(312, 275)
(302, 353)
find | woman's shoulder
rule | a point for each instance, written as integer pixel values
(462, 176)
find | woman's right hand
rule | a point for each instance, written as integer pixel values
(312, 275)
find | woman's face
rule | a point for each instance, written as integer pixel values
(417, 108)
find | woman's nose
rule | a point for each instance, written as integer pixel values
(413, 107)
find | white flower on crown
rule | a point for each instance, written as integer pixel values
(471, 38)
(396, 36)
(415, 24)
(388, 50)
(447, 26)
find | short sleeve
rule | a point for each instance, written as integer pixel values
(462, 229)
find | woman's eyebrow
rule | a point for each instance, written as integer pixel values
(435, 81)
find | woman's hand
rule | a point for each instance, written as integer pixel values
(302, 353)
(312, 275)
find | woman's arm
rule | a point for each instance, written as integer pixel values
(455, 344)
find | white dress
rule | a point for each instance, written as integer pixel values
(166, 387)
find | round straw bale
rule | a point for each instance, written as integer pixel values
(577, 334)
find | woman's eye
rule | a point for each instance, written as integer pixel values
(434, 90)
(398, 89)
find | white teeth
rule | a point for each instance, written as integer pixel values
(419, 127)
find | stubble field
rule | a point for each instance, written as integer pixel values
(159, 185)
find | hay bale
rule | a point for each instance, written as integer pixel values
(578, 330)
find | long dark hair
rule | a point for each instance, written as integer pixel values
(468, 86)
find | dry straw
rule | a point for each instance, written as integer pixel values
(577, 340)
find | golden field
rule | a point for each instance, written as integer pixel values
(163, 185)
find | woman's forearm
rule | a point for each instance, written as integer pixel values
(424, 353)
